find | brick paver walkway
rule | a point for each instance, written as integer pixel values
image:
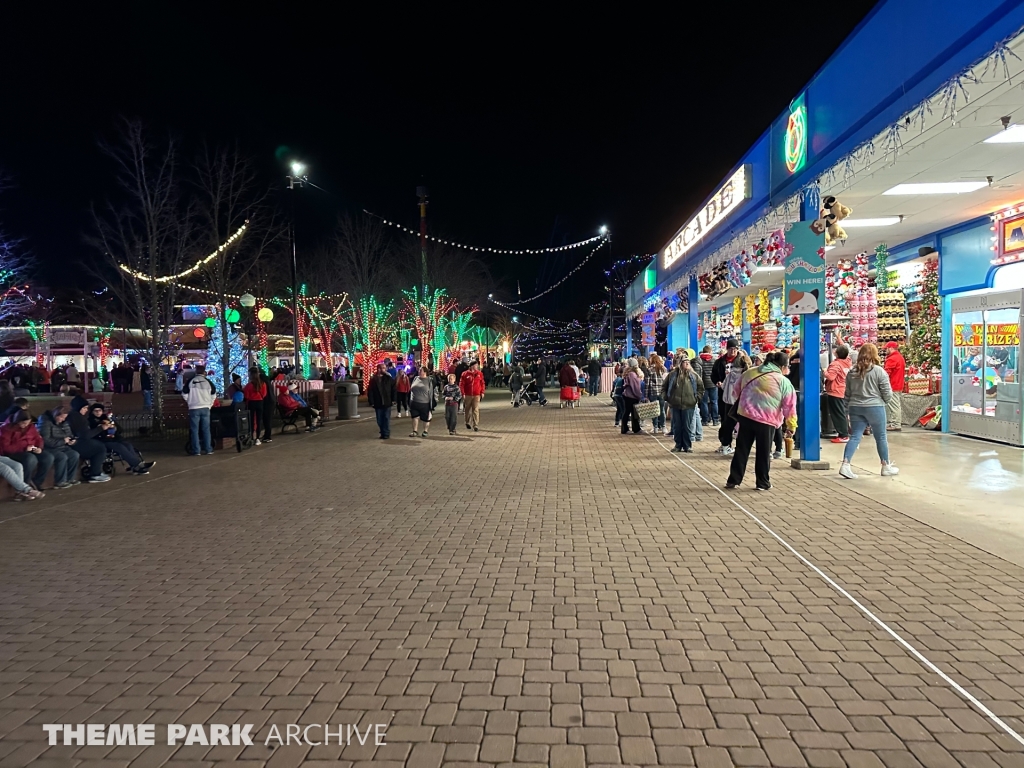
(544, 592)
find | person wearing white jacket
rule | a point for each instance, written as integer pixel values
(200, 394)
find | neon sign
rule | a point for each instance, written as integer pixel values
(724, 202)
(796, 138)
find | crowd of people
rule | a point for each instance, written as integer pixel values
(62, 439)
(752, 402)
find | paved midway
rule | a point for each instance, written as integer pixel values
(543, 592)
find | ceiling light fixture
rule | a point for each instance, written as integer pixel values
(1013, 134)
(936, 188)
(883, 221)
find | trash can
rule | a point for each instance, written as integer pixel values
(346, 393)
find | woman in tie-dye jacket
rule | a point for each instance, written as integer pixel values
(766, 402)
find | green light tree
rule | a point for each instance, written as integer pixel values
(924, 347)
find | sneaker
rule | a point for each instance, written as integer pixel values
(268, 440)
(727, 450)
(894, 429)
(30, 495)
(74, 482)
(845, 470)
(838, 440)
(890, 470)
(476, 429)
(763, 487)
(687, 450)
(699, 439)
(61, 486)
(207, 453)
(451, 431)
(140, 470)
(148, 464)
(720, 449)
(730, 486)
(424, 434)
(257, 442)
(777, 455)
(414, 434)
(99, 479)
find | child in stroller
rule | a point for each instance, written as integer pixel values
(525, 394)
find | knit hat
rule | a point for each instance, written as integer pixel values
(891, 345)
(78, 403)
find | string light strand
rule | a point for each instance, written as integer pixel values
(194, 268)
(569, 274)
(514, 251)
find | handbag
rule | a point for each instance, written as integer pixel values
(734, 409)
(648, 410)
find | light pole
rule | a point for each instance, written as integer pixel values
(296, 179)
(422, 194)
(248, 302)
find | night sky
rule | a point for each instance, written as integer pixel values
(529, 127)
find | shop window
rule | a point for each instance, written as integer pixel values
(966, 259)
(968, 329)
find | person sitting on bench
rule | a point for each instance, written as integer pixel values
(108, 436)
(291, 402)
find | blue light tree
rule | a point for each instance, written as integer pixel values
(219, 365)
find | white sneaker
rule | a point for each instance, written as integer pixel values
(845, 470)
(258, 442)
(890, 470)
(727, 450)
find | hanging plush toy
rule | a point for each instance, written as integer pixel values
(832, 212)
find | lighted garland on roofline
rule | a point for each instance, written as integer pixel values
(480, 249)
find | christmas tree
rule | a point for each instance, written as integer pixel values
(924, 348)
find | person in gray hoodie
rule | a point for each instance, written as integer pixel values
(867, 392)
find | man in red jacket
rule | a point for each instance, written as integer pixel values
(472, 385)
(21, 441)
(896, 367)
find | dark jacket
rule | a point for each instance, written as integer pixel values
(594, 369)
(79, 423)
(146, 381)
(567, 377)
(101, 434)
(680, 392)
(541, 377)
(52, 432)
(718, 370)
(707, 362)
(381, 392)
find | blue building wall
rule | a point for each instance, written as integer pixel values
(899, 55)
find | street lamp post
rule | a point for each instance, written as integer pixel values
(248, 302)
(296, 179)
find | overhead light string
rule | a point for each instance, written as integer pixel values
(570, 273)
(194, 268)
(480, 249)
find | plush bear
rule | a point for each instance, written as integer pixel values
(832, 213)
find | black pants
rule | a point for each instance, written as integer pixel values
(255, 416)
(727, 423)
(751, 433)
(93, 451)
(402, 401)
(629, 412)
(268, 417)
(837, 410)
(778, 439)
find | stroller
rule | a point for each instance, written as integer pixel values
(526, 394)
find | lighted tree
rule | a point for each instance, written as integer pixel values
(219, 363)
(377, 325)
(101, 337)
(451, 333)
(924, 347)
(425, 311)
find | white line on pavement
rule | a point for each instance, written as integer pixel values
(860, 606)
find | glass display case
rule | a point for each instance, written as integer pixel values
(984, 378)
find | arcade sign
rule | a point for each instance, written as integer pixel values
(725, 201)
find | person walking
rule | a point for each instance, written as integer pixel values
(655, 385)
(896, 368)
(867, 391)
(381, 395)
(472, 385)
(632, 393)
(199, 394)
(452, 398)
(59, 440)
(402, 389)
(594, 377)
(422, 401)
(617, 384)
(541, 378)
(254, 393)
(766, 401)
(835, 392)
(682, 391)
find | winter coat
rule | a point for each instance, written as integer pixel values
(707, 362)
(53, 434)
(594, 369)
(402, 383)
(567, 377)
(14, 439)
(681, 391)
(835, 377)
(718, 370)
(766, 396)
(631, 386)
(896, 367)
(199, 392)
(254, 393)
(541, 376)
(79, 423)
(381, 392)
(472, 382)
